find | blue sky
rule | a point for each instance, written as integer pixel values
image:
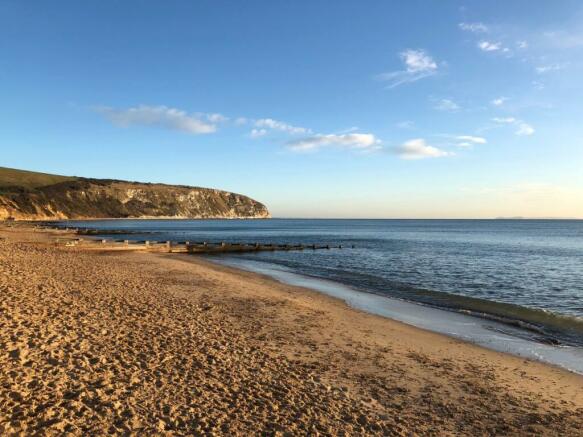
(317, 108)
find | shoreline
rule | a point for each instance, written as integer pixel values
(162, 343)
(479, 330)
(524, 321)
(569, 358)
(500, 332)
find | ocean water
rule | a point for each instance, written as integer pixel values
(527, 274)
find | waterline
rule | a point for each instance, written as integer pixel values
(483, 332)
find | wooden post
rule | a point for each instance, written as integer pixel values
(103, 241)
(126, 242)
(147, 243)
(169, 246)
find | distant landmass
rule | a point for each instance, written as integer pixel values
(536, 218)
(26, 195)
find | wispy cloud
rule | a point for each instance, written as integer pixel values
(521, 45)
(256, 133)
(406, 124)
(356, 141)
(474, 27)
(419, 149)
(538, 85)
(162, 117)
(462, 141)
(522, 128)
(542, 69)
(215, 118)
(469, 140)
(489, 46)
(348, 130)
(447, 105)
(418, 65)
(498, 101)
(270, 123)
(504, 120)
(494, 40)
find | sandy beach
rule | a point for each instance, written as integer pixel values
(96, 342)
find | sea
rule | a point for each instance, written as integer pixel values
(511, 285)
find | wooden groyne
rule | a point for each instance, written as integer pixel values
(185, 246)
(89, 239)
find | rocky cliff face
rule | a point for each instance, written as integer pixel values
(92, 198)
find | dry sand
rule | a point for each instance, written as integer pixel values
(143, 343)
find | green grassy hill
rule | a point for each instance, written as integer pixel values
(10, 177)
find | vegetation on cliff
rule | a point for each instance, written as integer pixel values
(37, 196)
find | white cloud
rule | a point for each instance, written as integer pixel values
(256, 133)
(465, 141)
(269, 123)
(488, 46)
(216, 118)
(348, 130)
(363, 142)
(499, 101)
(418, 65)
(419, 149)
(504, 120)
(521, 44)
(522, 128)
(447, 105)
(160, 116)
(550, 67)
(470, 140)
(239, 121)
(474, 27)
(418, 60)
(406, 124)
(538, 85)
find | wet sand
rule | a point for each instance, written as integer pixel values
(95, 342)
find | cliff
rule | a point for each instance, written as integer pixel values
(37, 196)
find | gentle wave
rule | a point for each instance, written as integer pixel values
(523, 273)
(548, 327)
(544, 326)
